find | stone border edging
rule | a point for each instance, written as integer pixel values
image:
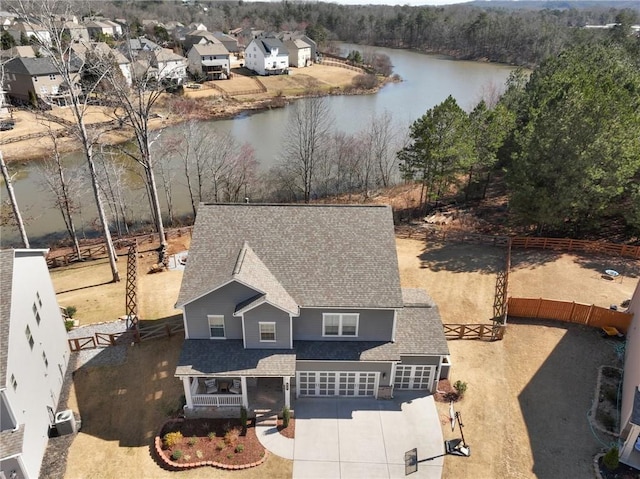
(192, 465)
(596, 465)
(594, 405)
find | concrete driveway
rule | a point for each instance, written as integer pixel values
(357, 438)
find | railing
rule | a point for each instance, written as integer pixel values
(487, 332)
(218, 400)
(569, 312)
(577, 245)
(159, 331)
(77, 344)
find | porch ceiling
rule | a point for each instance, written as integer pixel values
(200, 357)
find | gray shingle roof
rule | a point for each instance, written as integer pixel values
(6, 286)
(266, 44)
(11, 442)
(322, 255)
(419, 331)
(205, 357)
(31, 66)
(210, 49)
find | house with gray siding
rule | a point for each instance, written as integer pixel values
(306, 298)
(34, 354)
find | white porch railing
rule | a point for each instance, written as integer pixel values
(218, 400)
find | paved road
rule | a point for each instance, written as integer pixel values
(358, 438)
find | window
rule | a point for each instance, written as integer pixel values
(52, 76)
(39, 299)
(27, 333)
(35, 78)
(14, 383)
(267, 332)
(216, 327)
(44, 358)
(36, 313)
(340, 324)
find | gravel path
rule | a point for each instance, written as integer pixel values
(103, 355)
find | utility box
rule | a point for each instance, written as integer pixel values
(65, 422)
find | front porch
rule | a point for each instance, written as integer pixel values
(224, 396)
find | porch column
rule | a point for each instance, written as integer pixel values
(286, 386)
(245, 394)
(187, 391)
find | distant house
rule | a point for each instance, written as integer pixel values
(76, 31)
(80, 50)
(302, 49)
(267, 56)
(630, 410)
(198, 37)
(39, 76)
(30, 29)
(24, 51)
(169, 65)
(301, 300)
(229, 42)
(34, 354)
(133, 47)
(97, 28)
(210, 61)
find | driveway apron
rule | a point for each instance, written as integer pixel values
(356, 438)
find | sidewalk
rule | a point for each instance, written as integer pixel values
(275, 442)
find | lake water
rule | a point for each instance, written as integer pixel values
(427, 81)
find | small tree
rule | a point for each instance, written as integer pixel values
(611, 459)
(286, 416)
(460, 388)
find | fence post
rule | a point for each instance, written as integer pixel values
(461, 332)
(112, 340)
(168, 329)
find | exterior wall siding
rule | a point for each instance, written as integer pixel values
(373, 325)
(220, 302)
(420, 360)
(269, 314)
(631, 364)
(384, 368)
(38, 384)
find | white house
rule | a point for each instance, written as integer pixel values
(299, 53)
(34, 354)
(630, 410)
(170, 66)
(31, 30)
(96, 28)
(210, 60)
(267, 56)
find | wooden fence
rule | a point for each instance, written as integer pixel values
(488, 332)
(158, 331)
(103, 340)
(570, 312)
(584, 246)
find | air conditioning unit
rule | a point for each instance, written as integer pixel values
(65, 422)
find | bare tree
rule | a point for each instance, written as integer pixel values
(44, 14)
(241, 175)
(381, 137)
(308, 128)
(14, 203)
(63, 185)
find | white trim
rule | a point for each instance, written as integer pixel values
(186, 325)
(340, 325)
(224, 328)
(413, 378)
(244, 337)
(232, 280)
(245, 395)
(333, 383)
(286, 387)
(275, 335)
(260, 302)
(290, 331)
(187, 391)
(395, 322)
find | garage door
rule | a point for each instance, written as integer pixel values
(337, 383)
(414, 377)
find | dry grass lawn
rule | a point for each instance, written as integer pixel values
(525, 412)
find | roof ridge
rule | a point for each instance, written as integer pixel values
(240, 260)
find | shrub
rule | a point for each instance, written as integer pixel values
(211, 436)
(611, 459)
(199, 454)
(286, 415)
(365, 82)
(193, 441)
(243, 417)
(231, 437)
(177, 454)
(220, 446)
(460, 387)
(68, 324)
(229, 456)
(71, 311)
(171, 439)
(240, 448)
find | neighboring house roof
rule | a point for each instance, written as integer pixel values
(142, 43)
(267, 44)
(81, 49)
(322, 255)
(165, 55)
(24, 51)
(230, 358)
(298, 43)
(11, 442)
(97, 24)
(32, 66)
(6, 287)
(210, 49)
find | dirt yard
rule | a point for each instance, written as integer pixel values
(524, 413)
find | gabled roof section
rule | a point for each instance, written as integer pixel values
(33, 66)
(250, 270)
(320, 255)
(6, 287)
(210, 49)
(268, 43)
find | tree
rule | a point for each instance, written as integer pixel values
(577, 149)
(7, 41)
(14, 203)
(41, 14)
(309, 125)
(441, 148)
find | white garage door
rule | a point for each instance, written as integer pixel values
(337, 383)
(414, 377)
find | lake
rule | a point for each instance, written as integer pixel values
(427, 81)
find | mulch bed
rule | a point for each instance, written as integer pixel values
(290, 431)
(219, 440)
(621, 472)
(445, 392)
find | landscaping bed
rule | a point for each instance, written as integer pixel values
(621, 472)
(608, 399)
(290, 430)
(216, 442)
